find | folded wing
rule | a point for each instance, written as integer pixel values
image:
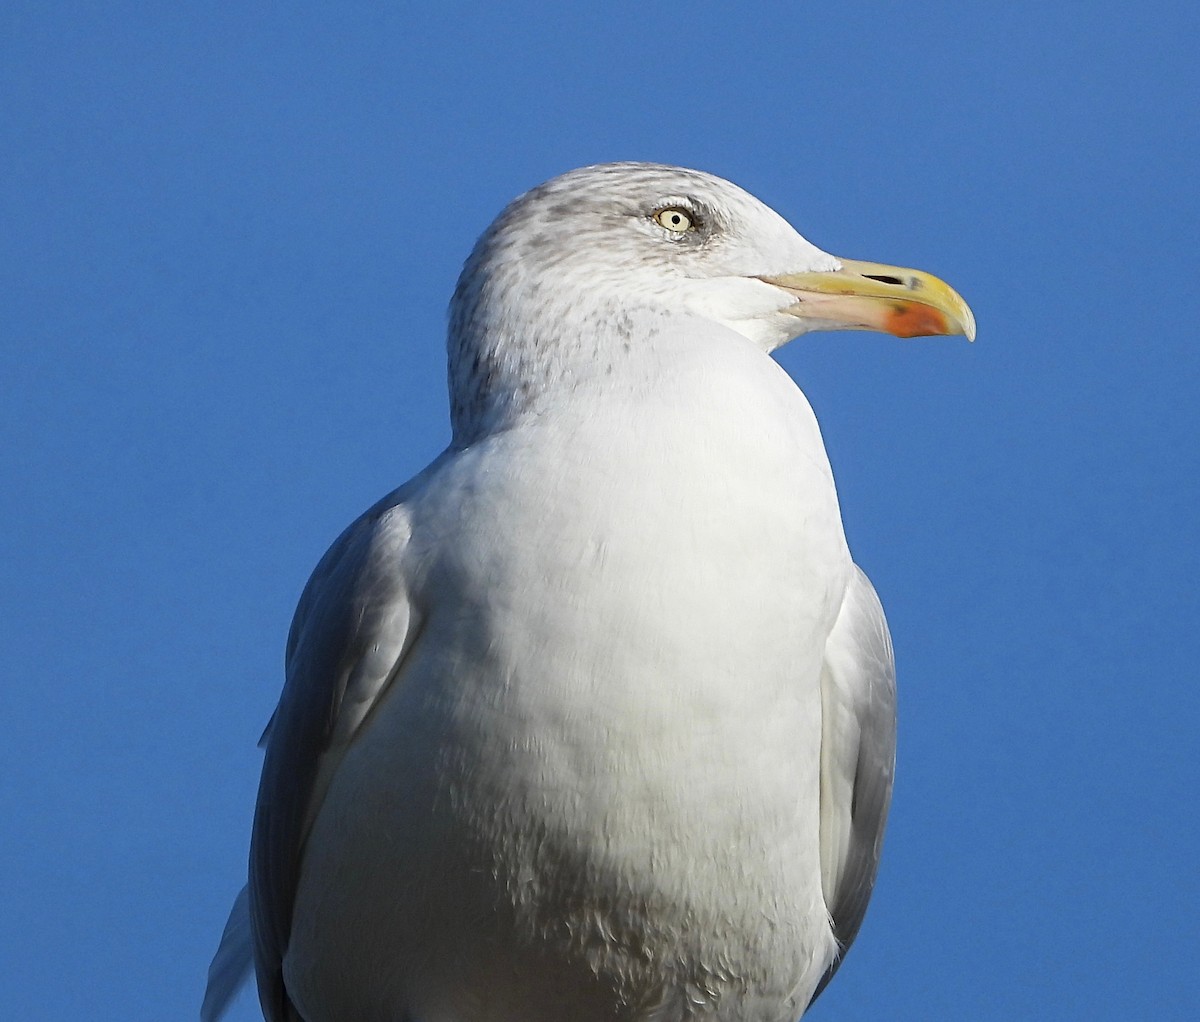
(351, 632)
(858, 757)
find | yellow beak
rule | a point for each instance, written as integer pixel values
(871, 296)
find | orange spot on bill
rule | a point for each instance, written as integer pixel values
(911, 319)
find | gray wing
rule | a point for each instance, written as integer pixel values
(351, 631)
(232, 963)
(858, 758)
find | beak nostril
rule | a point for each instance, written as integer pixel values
(884, 279)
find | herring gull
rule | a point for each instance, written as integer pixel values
(594, 719)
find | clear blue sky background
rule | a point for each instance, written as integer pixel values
(227, 237)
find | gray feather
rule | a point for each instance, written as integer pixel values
(858, 759)
(351, 629)
(231, 964)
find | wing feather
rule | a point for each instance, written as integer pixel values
(232, 963)
(858, 758)
(351, 632)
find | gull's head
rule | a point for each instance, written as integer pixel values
(572, 269)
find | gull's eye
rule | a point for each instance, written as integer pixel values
(674, 219)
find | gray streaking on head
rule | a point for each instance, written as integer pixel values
(594, 719)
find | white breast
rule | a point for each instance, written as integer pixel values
(592, 792)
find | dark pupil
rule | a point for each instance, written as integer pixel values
(675, 219)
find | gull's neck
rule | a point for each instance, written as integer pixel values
(505, 366)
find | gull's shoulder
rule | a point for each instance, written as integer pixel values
(353, 627)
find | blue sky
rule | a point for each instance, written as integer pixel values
(227, 237)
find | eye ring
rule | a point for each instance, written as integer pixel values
(674, 219)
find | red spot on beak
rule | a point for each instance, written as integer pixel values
(910, 319)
